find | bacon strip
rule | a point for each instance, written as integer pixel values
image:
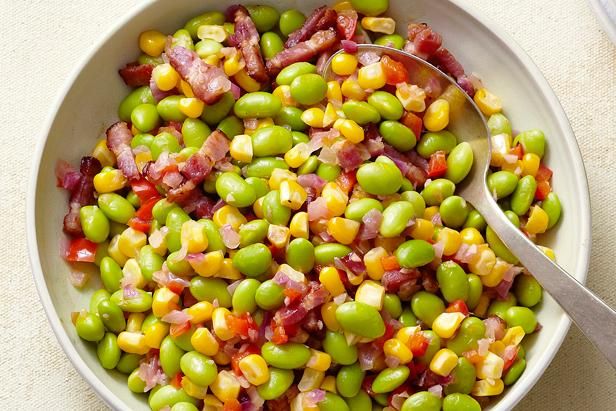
(136, 75)
(320, 19)
(304, 51)
(118, 141)
(246, 39)
(81, 195)
(207, 82)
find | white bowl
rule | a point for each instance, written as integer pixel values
(88, 104)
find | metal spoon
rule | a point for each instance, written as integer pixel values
(596, 320)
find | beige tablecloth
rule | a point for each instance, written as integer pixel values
(42, 40)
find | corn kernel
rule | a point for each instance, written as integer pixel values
(284, 94)
(319, 360)
(132, 273)
(155, 333)
(371, 293)
(513, 336)
(131, 241)
(132, 343)
(213, 32)
(298, 227)
(311, 380)
(328, 314)
(152, 42)
(142, 158)
(496, 275)
(350, 130)
(165, 77)
(470, 235)
(488, 388)
(490, 366)
(385, 25)
(193, 236)
(219, 323)
(350, 88)
(102, 153)
(226, 387)
(330, 279)
(445, 325)
(537, 221)
(344, 64)
(292, 195)
(335, 198)
(278, 176)
(443, 362)
(257, 207)
(301, 403)
(313, 117)
(186, 89)
(229, 214)
(430, 212)
(329, 384)
(487, 102)
(482, 306)
(549, 252)
(501, 145)
(483, 262)
(451, 240)
(372, 261)
(405, 334)
(203, 341)
(192, 389)
(371, 76)
(343, 5)
(134, 322)
(422, 229)
(437, 115)
(530, 164)
(395, 348)
(246, 82)
(297, 155)
(334, 93)
(330, 115)
(164, 301)
(390, 244)
(211, 403)
(228, 270)
(278, 235)
(221, 358)
(254, 368)
(108, 181)
(212, 59)
(498, 348)
(209, 264)
(342, 229)
(233, 64)
(191, 106)
(200, 312)
(114, 251)
(241, 148)
(412, 97)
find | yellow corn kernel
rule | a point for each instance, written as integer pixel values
(225, 387)
(330, 115)
(241, 148)
(487, 102)
(335, 198)
(530, 164)
(412, 97)
(513, 336)
(152, 42)
(298, 227)
(114, 251)
(482, 306)
(284, 94)
(233, 64)
(342, 229)
(537, 221)
(451, 240)
(134, 322)
(372, 261)
(220, 325)
(430, 212)
(209, 265)
(404, 334)
(142, 158)
(278, 235)
(443, 362)
(165, 77)
(483, 262)
(212, 31)
(257, 207)
(193, 236)
(422, 229)
(330, 279)
(328, 313)
(254, 368)
(496, 275)
(395, 348)
(212, 59)
(228, 270)
(329, 384)
(512, 165)
(192, 389)
(134, 130)
(211, 403)
(278, 176)
(344, 64)
(350, 130)
(164, 301)
(371, 293)
(445, 325)
(109, 180)
(490, 366)
(488, 388)
(549, 252)
(456, 98)
(292, 195)
(470, 235)
(246, 82)
(319, 360)
(389, 244)
(343, 5)
(103, 154)
(311, 380)
(334, 93)
(301, 403)
(132, 343)
(437, 115)
(132, 273)
(371, 76)
(222, 358)
(200, 312)
(297, 155)
(229, 214)
(313, 117)
(385, 25)
(155, 334)
(498, 348)
(350, 88)
(203, 341)
(191, 106)
(501, 144)
(131, 241)
(186, 89)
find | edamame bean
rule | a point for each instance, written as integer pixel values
(326, 253)
(257, 104)
(349, 379)
(434, 345)
(168, 396)
(290, 20)
(391, 40)
(459, 162)
(291, 116)
(143, 139)
(382, 177)
(265, 18)
(115, 207)
(502, 183)
(259, 185)
(145, 117)
(210, 289)
(460, 402)
(527, 290)
(522, 316)
(263, 167)
(271, 44)
(138, 96)
(135, 383)
(370, 8)
(271, 141)
(336, 346)
(269, 295)
(475, 288)
(146, 59)
(289, 73)
(215, 113)
(308, 89)
(243, 299)
(398, 135)
(358, 208)
(112, 316)
(161, 209)
(299, 137)
(333, 402)
(388, 105)
(532, 141)
(207, 47)
(452, 281)
(98, 296)
(253, 232)
(234, 190)
(209, 18)
(475, 220)
(499, 248)
(111, 274)
(253, 260)
(170, 357)
(138, 304)
(523, 196)
(176, 217)
(149, 261)
(108, 352)
(360, 402)
(300, 255)
(182, 38)
(432, 142)
(128, 363)
(500, 307)
(551, 205)
(200, 369)
(389, 379)
(178, 266)
(329, 172)
(516, 370)
(471, 330)
(396, 217)
(464, 375)
(361, 112)
(360, 319)
(278, 383)
(273, 211)
(164, 142)
(438, 190)
(231, 126)
(419, 204)
(194, 132)
(499, 124)
(393, 305)
(407, 318)
(94, 223)
(183, 340)
(453, 211)
(427, 306)
(169, 109)
(214, 238)
(184, 406)
(89, 327)
(414, 253)
(286, 356)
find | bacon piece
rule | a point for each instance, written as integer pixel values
(350, 156)
(246, 39)
(136, 75)
(81, 194)
(447, 62)
(304, 51)
(157, 93)
(321, 18)
(346, 22)
(118, 141)
(207, 82)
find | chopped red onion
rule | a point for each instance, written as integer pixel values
(78, 278)
(236, 91)
(229, 236)
(231, 287)
(482, 346)
(311, 180)
(315, 396)
(349, 46)
(317, 209)
(129, 292)
(176, 317)
(371, 224)
(438, 247)
(436, 390)
(151, 373)
(436, 219)
(368, 57)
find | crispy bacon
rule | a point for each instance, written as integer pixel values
(304, 51)
(136, 75)
(246, 39)
(118, 141)
(82, 194)
(321, 18)
(207, 82)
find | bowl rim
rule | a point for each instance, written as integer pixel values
(519, 391)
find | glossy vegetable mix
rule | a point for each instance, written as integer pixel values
(271, 239)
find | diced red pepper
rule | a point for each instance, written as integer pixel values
(518, 151)
(509, 361)
(188, 300)
(389, 333)
(232, 405)
(175, 330)
(544, 173)
(145, 190)
(457, 306)
(414, 122)
(367, 384)
(390, 263)
(241, 324)
(142, 220)
(81, 250)
(280, 335)
(395, 72)
(139, 225)
(175, 286)
(292, 294)
(418, 344)
(176, 381)
(543, 189)
(347, 180)
(437, 166)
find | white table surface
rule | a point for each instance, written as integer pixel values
(42, 40)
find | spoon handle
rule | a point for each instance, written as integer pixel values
(594, 318)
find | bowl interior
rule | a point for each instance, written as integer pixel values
(90, 103)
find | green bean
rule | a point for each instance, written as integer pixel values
(406, 185)
(300, 255)
(207, 47)
(475, 220)
(358, 208)
(527, 290)
(532, 141)
(215, 113)
(258, 104)
(333, 402)
(116, 228)
(214, 238)
(381, 400)
(326, 253)
(253, 260)
(460, 402)
(234, 190)
(108, 352)
(459, 162)
(370, 8)
(291, 116)
(140, 303)
(259, 185)
(290, 20)
(502, 183)
(391, 40)
(361, 112)
(269, 295)
(393, 305)
(263, 167)
(94, 223)
(161, 209)
(452, 281)
(438, 190)
(279, 382)
(522, 316)
(231, 126)
(309, 166)
(143, 139)
(184, 340)
(194, 132)
(135, 383)
(434, 344)
(98, 296)
(388, 105)
(500, 307)
(336, 346)
(210, 18)
(414, 253)
(349, 379)
(289, 73)
(146, 59)
(389, 379)
(210, 289)
(328, 172)
(149, 261)
(243, 299)
(271, 141)
(182, 38)
(170, 356)
(432, 142)
(115, 207)
(184, 406)
(271, 44)
(128, 363)
(396, 218)
(308, 89)
(112, 316)
(398, 135)
(299, 137)
(286, 356)
(514, 373)
(427, 306)
(464, 375)
(145, 117)
(89, 327)
(200, 369)
(273, 211)
(523, 196)
(551, 205)
(360, 402)
(499, 248)
(265, 18)
(382, 177)
(471, 330)
(253, 232)
(178, 266)
(164, 142)
(176, 217)
(419, 204)
(101, 252)
(167, 396)
(499, 124)
(453, 211)
(360, 319)
(169, 109)
(407, 318)
(138, 96)
(475, 288)
(111, 274)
